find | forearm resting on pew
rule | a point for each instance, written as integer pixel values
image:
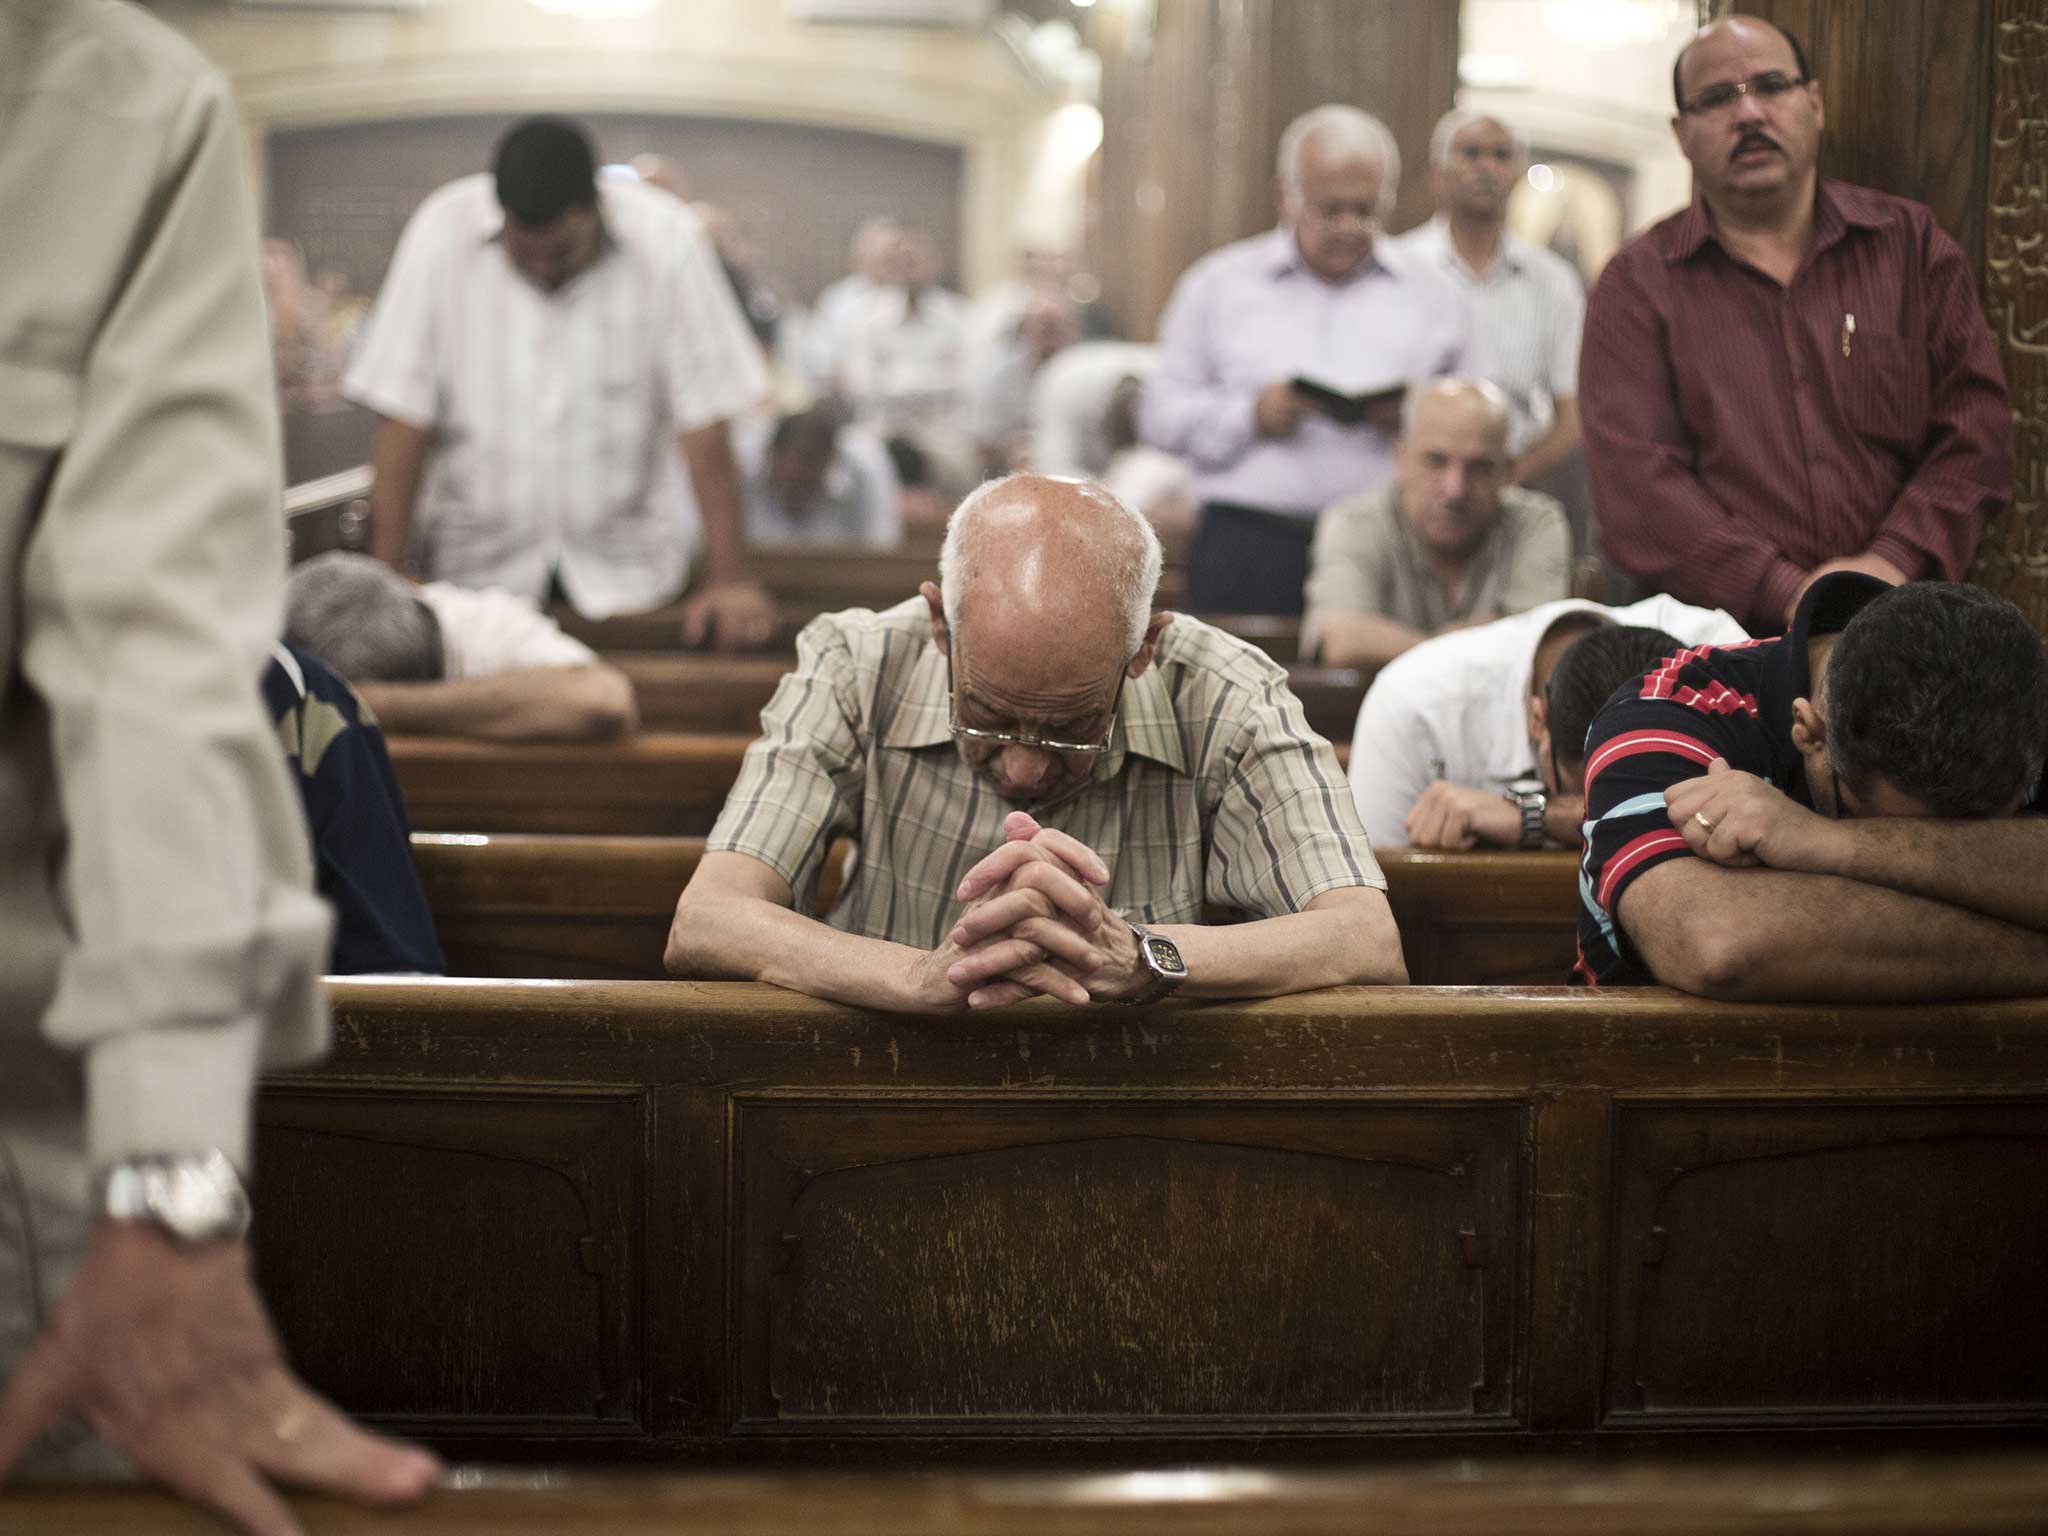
(1992, 867)
(1342, 938)
(1364, 639)
(734, 922)
(1763, 935)
(591, 703)
(398, 458)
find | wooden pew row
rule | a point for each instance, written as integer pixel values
(659, 784)
(694, 1220)
(1937, 1493)
(696, 692)
(598, 908)
(332, 512)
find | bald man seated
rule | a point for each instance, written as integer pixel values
(1048, 782)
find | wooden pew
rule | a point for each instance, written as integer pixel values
(332, 512)
(659, 784)
(699, 692)
(695, 1220)
(596, 908)
(1936, 1493)
(655, 784)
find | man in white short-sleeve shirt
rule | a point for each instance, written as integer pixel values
(1458, 719)
(550, 359)
(445, 660)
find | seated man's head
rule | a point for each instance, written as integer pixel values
(1602, 658)
(1043, 608)
(1452, 463)
(546, 173)
(1933, 701)
(799, 454)
(873, 244)
(363, 619)
(1340, 172)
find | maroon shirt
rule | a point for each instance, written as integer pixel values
(1734, 446)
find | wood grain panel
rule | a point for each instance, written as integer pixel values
(1759, 1250)
(1073, 1262)
(466, 1257)
(656, 783)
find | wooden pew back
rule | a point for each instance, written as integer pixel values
(593, 908)
(685, 1220)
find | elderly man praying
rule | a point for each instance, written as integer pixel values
(1049, 781)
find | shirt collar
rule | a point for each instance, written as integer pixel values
(1837, 208)
(1282, 257)
(1514, 252)
(1826, 609)
(1145, 718)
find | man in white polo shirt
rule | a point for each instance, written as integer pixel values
(1451, 740)
(549, 360)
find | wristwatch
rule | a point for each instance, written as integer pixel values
(1532, 801)
(1159, 957)
(194, 1198)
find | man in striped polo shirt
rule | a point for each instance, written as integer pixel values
(1850, 812)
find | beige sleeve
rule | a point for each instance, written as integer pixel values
(151, 592)
(1345, 567)
(1539, 567)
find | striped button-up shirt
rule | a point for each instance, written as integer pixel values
(555, 415)
(1527, 311)
(1214, 790)
(1740, 433)
(1254, 314)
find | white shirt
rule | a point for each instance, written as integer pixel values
(1456, 707)
(826, 329)
(859, 502)
(905, 365)
(556, 414)
(1527, 313)
(485, 632)
(1070, 404)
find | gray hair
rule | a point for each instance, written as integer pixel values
(1133, 562)
(363, 619)
(1456, 121)
(1498, 412)
(1340, 127)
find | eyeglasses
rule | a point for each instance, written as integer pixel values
(1768, 86)
(1029, 738)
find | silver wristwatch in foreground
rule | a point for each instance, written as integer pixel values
(1532, 801)
(195, 1198)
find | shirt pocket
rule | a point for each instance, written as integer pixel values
(1884, 390)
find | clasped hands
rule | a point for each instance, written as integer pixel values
(1035, 925)
(1739, 820)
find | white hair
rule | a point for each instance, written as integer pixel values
(1131, 557)
(363, 619)
(1342, 129)
(1457, 120)
(1498, 413)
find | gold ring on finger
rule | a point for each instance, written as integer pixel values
(1701, 818)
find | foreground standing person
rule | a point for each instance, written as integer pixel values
(159, 940)
(1046, 779)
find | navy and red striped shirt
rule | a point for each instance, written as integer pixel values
(1731, 701)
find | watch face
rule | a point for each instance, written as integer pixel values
(1164, 957)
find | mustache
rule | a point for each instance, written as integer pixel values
(1755, 138)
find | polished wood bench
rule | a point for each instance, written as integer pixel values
(691, 1220)
(695, 691)
(656, 784)
(590, 908)
(1934, 1493)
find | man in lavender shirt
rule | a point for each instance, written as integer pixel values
(1318, 300)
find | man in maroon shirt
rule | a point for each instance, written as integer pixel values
(1790, 376)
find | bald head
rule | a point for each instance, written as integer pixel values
(660, 171)
(1063, 555)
